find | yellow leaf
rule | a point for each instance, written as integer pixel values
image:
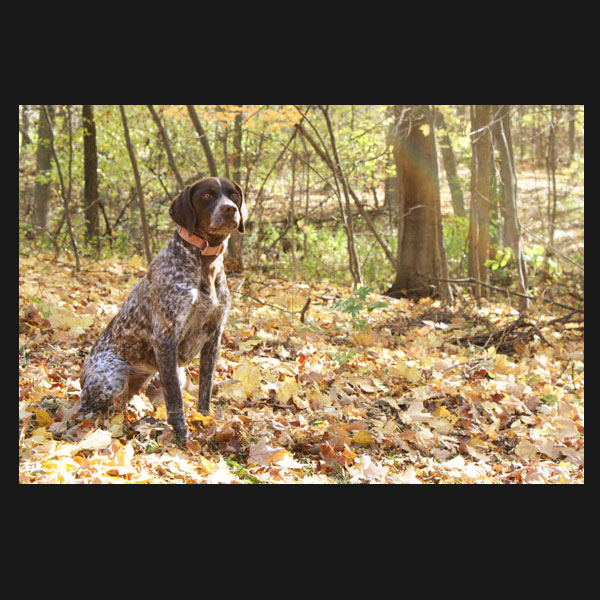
(401, 369)
(43, 418)
(443, 412)
(300, 403)
(362, 437)
(233, 391)
(249, 344)
(75, 323)
(160, 412)
(136, 261)
(116, 425)
(288, 389)
(249, 376)
(199, 417)
(316, 398)
(425, 129)
(41, 434)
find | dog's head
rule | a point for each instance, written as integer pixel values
(211, 207)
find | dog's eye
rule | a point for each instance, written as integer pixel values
(206, 196)
(234, 196)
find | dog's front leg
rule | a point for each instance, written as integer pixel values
(165, 350)
(208, 361)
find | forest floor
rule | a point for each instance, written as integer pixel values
(367, 390)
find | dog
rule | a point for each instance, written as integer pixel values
(176, 311)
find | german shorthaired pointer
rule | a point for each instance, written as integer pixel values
(177, 310)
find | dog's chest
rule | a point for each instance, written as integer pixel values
(205, 319)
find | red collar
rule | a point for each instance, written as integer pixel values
(201, 243)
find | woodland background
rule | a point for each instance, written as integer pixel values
(408, 297)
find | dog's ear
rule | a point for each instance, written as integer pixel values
(241, 206)
(182, 211)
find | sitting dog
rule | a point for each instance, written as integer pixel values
(176, 311)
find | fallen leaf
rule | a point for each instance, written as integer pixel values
(363, 437)
(288, 388)
(249, 376)
(365, 470)
(408, 476)
(263, 454)
(43, 418)
(95, 440)
(525, 449)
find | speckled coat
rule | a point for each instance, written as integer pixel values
(175, 312)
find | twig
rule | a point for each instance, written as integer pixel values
(473, 281)
(304, 309)
(291, 312)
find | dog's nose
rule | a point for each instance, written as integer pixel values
(229, 209)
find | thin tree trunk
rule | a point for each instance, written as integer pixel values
(551, 170)
(447, 152)
(446, 288)
(481, 169)
(63, 191)
(292, 211)
(352, 260)
(138, 184)
(43, 162)
(345, 209)
(210, 159)
(512, 227)
(90, 171)
(572, 116)
(236, 240)
(167, 145)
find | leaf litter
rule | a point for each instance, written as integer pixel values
(397, 393)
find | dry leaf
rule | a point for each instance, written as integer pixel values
(287, 389)
(363, 437)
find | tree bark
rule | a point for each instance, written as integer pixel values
(447, 152)
(236, 240)
(64, 194)
(43, 163)
(419, 227)
(90, 172)
(481, 170)
(167, 145)
(572, 116)
(210, 159)
(512, 227)
(339, 176)
(551, 172)
(138, 185)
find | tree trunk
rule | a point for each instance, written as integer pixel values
(138, 185)
(167, 145)
(512, 227)
(210, 159)
(90, 171)
(481, 170)
(43, 158)
(447, 152)
(24, 126)
(236, 240)
(344, 212)
(65, 193)
(419, 262)
(339, 175)
(551, 172)
(572, 116)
